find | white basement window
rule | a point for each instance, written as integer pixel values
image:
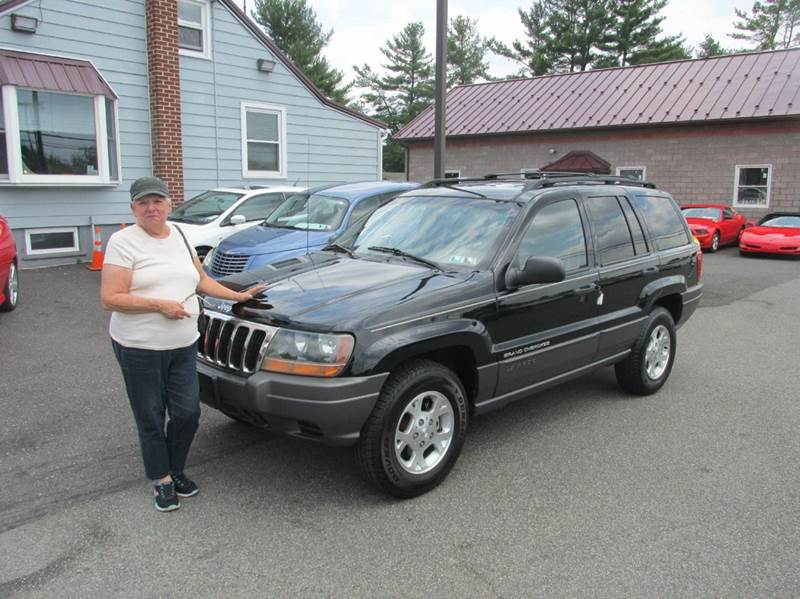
(751, 185)
(263, 141)
(637, 173)
(55, 240)
(194, 17)
(56, 138)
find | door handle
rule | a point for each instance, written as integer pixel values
(586, 289)
(650, 270)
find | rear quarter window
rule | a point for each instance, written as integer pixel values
(664, 221)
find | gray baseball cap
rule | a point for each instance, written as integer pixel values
(145, 186)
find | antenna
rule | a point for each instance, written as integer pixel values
(308, 202)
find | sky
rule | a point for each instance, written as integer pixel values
(362, 28)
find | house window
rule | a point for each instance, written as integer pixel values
(453, 174)
(751, 186)
(637, 173)
(56, 138)
(193, 28)
(263, 141)
(51, 241)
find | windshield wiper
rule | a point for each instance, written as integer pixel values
(402, 254)
(335, 247)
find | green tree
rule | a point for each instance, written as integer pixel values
(294, 28)
(578, 29)
(711, 47)
(771, 24)
(636, 29)
(667, 48)
(533, 53)
(466, 52)
(404, 89)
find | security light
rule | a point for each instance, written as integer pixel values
(24, 24)
(265, 65)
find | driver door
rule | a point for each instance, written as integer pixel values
(544, 330)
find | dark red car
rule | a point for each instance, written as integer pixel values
(714, 225)
(776, 233)
(9, 279)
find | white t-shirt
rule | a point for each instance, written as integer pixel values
(161, 268)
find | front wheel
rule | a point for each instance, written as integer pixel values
(714, 242)
(415, 432)
(11, 290)
(647, 367)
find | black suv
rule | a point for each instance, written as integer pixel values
(451, 300)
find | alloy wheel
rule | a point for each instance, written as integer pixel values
(424, 432)
(657, 353)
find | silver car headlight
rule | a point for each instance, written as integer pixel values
(209, 258)
(308, 354)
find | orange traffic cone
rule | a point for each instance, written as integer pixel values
(97, 254)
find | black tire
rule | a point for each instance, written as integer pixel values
(714, 243)
(636, 374)
(202, 252)
(427, 383)
(11, 289)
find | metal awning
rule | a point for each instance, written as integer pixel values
(52, 73)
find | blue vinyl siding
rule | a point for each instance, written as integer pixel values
(114, 41)
(323, 144)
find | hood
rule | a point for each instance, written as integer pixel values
(338, 293)
(695, 222)
(268, 240)
(776, 233)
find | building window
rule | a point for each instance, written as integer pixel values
(453, 174)
(263, 141)
(56, 138)
(751, 186)
(51, 241)
(193, 28)
(637, 173)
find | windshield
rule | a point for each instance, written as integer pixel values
(712, 213)
(447, 231)
(781, 221)
(325, 213)
(205, 207)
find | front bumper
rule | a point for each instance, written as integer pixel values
(769, 248)
(332, 410)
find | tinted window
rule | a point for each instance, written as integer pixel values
(664, 221)
(639, 242)
(611, 229)
(259, 207)
(556, 231)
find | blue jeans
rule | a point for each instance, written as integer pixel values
(159, 382)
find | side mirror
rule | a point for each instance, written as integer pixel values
(238, 219)
(537, 269)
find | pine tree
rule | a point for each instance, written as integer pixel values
(533, 53)
(294, 28)
(772, 24)
(404, 91)
(579, 28)
(466, 52)
(711, 47)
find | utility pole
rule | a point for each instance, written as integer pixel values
(441, 84)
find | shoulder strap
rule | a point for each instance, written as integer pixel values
(185, 242)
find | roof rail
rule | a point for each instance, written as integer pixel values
(544, 179)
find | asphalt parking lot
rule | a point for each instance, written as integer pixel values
(581, 491)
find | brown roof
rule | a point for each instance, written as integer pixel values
(8, 5)
(42, 71)
(723, 88)
(580, 161)
(262, 37)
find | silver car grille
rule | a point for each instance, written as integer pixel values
(224, 264)
(232, 343)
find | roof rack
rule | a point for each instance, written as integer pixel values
(544, 179)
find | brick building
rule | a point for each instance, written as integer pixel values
(718, 129)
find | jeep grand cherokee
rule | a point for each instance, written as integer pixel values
(451, 300)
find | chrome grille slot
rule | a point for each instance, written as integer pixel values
(232, 343)
(225, 264)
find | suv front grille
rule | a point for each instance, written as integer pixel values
(225, 264)
(232, 343)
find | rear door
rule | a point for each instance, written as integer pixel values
(625, 264)
(543, 330)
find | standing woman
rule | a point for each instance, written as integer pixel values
(149, 280)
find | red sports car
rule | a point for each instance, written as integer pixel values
(776, 233)
(9, 280)
(713, 224)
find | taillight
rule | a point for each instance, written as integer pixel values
(699, 257)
